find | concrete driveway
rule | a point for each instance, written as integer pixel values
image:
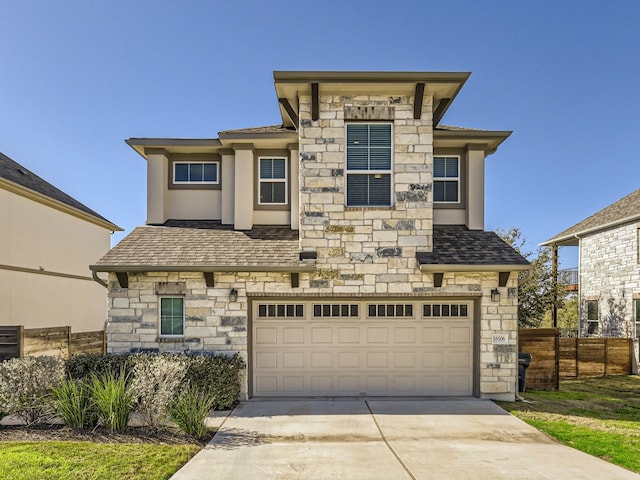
(386, 439)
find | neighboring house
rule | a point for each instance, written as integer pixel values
(47, 241)
(341, 253)
(609, 268)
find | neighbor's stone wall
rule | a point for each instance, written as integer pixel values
(610, 273)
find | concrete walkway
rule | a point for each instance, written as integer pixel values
(386, 439)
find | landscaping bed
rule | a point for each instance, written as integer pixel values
(599, 416)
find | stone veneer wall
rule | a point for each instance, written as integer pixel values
(610, 273)
(365, 250)
(214, 324)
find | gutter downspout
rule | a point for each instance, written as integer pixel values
(95, 276)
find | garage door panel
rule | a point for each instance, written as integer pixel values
(432, 335)
(321, 335)
(362, 355)
(461, 334)
(293, 384)
(293, 359)
(322, 359)
(293, 335)
(348, 335)
(404, 360)
(266, 336)
(349, 360)
(377, 335)
(377, 360)
(265, 360)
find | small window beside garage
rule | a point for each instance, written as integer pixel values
(390, 310)
(335, 310)
(279, 310)
(445, 310)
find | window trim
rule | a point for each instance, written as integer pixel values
(184, 326)
(389, 172)
(193, 159)
(458, 179)
(274, 154)
(462, 173)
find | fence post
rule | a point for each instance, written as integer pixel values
(606, 355)
(20, 341)
(557, 366)
(577, 359)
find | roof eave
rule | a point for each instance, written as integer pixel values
(563, 240)
(202, 268)
(141, 144)
(58, 205)
(472, 268)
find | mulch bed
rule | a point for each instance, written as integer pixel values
(47, 432)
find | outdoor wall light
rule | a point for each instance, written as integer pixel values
(495, 295)
(233, 295)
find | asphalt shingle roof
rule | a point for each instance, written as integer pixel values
(16, 173)
(457, 245)
(266, 129)
(625, 209)
(193, 244)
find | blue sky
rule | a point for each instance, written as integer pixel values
(77, 78)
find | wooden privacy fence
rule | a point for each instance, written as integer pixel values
(17, 341)
(554, 358)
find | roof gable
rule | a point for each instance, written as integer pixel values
(624, 210)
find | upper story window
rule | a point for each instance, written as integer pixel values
(369, 153)
(195, 173)
(273, 181)
(446, 179)
(172, 316)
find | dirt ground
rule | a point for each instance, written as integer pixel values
(46, 432)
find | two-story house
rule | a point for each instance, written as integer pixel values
(609, 269)
(47, 241)
(342, 252)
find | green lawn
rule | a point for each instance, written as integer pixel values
(600, 416)
(91, 461)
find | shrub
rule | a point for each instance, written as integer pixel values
(189, 410)
(113, 400)
(83, 366)
(25, 386)
(72, 401)
(218, 376)
(156, 378)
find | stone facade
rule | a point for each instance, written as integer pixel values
(610, 274)
(213, 324)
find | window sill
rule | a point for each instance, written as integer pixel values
(347, 207)
(176, 339)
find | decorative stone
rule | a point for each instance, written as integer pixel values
(389, 252)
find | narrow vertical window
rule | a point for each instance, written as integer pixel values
(446, 179)
(369, 153)
(273, 181)
(172, 316)
(592, 317)
(636, 316)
